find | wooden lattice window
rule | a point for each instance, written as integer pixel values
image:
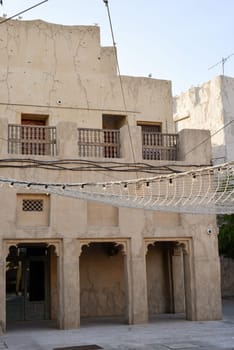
(32, 205)
(155, 144)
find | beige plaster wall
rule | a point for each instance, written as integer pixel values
(166, 219)
(32, 217)
(209, 106)
(66, 64)
(228, 107)
(102, 283)
(205, 263)
(102, 214)
(69, 76)
(158, 280)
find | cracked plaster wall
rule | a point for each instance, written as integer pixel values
(42, 63)
(210, 107)
(228, 106)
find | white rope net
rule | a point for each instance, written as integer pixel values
(207, 190)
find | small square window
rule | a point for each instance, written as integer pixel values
(32, 205)
(32, 209)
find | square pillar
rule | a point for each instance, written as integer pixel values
(178, 280)
(190, 298)
(131, 223)
(128, 285)
(202, 268)
(131, 143)
(139, 283)
(67, 138)
(70, 298)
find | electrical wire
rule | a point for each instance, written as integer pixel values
(115, 50)
(121, 84)
(98, 166)
(133, 167)
(119, 74)
(191, 150)
(67, 107)
(210, 136)
(203, 191)
(21, 12)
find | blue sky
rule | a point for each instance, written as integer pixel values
(176, 40)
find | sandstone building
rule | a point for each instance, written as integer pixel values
(211, 107)
(63, 107)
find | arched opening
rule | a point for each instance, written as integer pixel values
(165, 280)
(31, 283)
(102, 283)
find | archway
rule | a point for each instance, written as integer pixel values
(167, 279)
(103, 289)
(31, 283)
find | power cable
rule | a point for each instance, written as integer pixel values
(115, 50)
(121, 85)
(118, 69)
(21, 12)
(122, 90)
(59, 106)
(80, 165)
(208, 138)
(115, 165)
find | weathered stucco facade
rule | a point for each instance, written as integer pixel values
(210, 107)
(66, 259)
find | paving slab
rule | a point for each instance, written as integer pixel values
(162, 333)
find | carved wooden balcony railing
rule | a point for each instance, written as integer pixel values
(158, 146)
(31, 140)
(104, 143)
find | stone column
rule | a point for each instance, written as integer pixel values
(131, 223)
(178, 280)
(70, 285)
(189, 285)
(128, 285)
(139, 283)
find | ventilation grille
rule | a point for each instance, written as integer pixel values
(32, 205)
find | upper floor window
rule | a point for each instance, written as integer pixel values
(33, 134)
(32, 137)
(151, 133)
(114, 122)
(155, 144)
(150, 126)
